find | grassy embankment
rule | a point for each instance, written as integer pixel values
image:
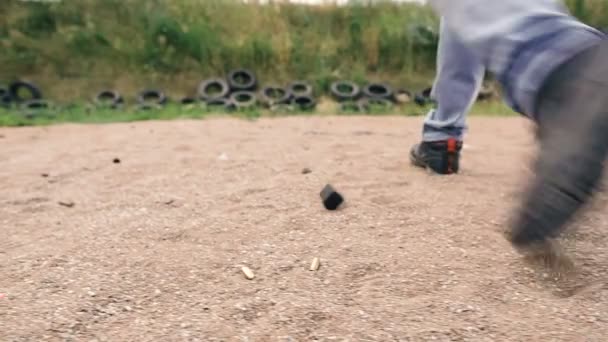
(74, 49)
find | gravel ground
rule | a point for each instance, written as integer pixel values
(151, 248)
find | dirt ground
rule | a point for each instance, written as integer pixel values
(153, 246)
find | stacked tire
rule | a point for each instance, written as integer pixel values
(239, 91)
(150, 99)
(236, 91)
(371, 97)
(214, 93)
(28, 98)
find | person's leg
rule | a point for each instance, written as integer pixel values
(455, 89)
(456, 86)
(572, 116)
(520, 41)
(554, 70)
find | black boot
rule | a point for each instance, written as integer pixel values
(442, 157)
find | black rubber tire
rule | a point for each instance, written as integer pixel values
(224, 104)
(339, 92)
(35, 104)
(403, 96)
(351, 107)
(274, 95)
(5, 98)
(427, 92)
(368, 104)
(244, 99)
(37, 108)
(378, 90)
(157, 96)
(304, 103)
(424, 97)
(205, 87)
(13, 89)
(242, 80)
(188, 100)
(108, 98)
(300, 88)
(6, 101)
(420, 100)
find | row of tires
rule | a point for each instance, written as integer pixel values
(240, 90)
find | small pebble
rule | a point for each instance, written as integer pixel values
(316, 263)
(306, 171)
(66, 204)
(248, 273)
(116, 161)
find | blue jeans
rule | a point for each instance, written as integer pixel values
(459, 77)
(520, 41)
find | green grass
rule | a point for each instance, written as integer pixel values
(74, 49)
(88, 114)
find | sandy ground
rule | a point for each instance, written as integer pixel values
(153, 246)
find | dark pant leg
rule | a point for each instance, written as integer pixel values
(572, 114)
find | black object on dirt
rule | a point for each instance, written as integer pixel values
(331, 198)
(66, 204)
(116, 161)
